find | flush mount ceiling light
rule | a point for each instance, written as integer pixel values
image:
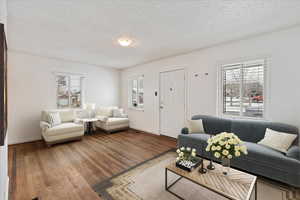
(125, 42)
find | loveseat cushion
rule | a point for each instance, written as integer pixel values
(65, 128)
(116, 121)
(67, 115)
(268, 157)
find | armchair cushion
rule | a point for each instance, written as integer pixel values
(102, 118)
(64, 128)
(67, 115)
(116, 121)
(294, 152)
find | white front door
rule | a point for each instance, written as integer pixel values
(172, 102)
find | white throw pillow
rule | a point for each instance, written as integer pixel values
(278, 140)
(195, 126)
(54, 119)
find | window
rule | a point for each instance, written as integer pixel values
(136, 97)
(69, 93)
(243, 89)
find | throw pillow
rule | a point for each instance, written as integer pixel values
(278, 140)
(54, 119)
(195, 126)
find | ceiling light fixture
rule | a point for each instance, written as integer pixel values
(125, 42)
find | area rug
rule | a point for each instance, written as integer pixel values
(147, 181)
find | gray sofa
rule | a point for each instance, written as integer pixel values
(260, 160)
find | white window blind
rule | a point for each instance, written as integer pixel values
(243, 89)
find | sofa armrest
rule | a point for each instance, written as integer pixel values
(294, 152)
(185, 131)
(44, 125)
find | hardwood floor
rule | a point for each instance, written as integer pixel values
(69, 171)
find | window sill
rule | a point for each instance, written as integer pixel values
(137, 109)
(242, 117)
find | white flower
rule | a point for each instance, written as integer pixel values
(213, 148)
(227, 146)
(181, 154)
(236, 148)
(237, 154)
(177, 159)
(207, 148)
(188, 148)
(222, 143)
(193, 154)
(219, 148)
(194, 150)
(225, 152)
(229, 156)
(217, 154)
(178, 151)
(182, 148)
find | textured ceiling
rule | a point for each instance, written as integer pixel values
(86, 31)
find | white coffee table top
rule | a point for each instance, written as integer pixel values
(88, 119)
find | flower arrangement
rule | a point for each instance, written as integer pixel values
(186, 154)
(226, 146)
(187, 159)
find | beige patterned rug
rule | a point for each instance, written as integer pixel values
(146, 181)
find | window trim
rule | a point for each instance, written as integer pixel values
(220, 87)
(129, 85)
(82, 77)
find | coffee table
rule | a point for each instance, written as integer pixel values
(237, 185)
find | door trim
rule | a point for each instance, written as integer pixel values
(185, 94)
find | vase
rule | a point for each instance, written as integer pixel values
(226, 166)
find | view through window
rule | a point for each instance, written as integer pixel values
(243, 89)
(69, 94)
(137, 92)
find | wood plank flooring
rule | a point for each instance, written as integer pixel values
(68, 171)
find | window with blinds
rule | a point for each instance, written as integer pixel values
(243, 89)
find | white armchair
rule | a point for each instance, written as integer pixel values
(68, 130)
(111, 119)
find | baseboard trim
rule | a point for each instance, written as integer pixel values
(27, 142)
(7, 189)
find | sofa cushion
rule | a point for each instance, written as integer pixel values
(254, 130)
(116, 121)
(270, 158)
(64, 128)
(67, 115)
(105, 111)
(214, 125)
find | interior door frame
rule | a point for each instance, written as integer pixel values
(185, 93)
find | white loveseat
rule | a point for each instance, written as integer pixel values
(111, 119)
(66, 131)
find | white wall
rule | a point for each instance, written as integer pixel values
(32, 88)
(282, 50)
(3, 149)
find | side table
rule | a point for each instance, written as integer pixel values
(88, 124)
